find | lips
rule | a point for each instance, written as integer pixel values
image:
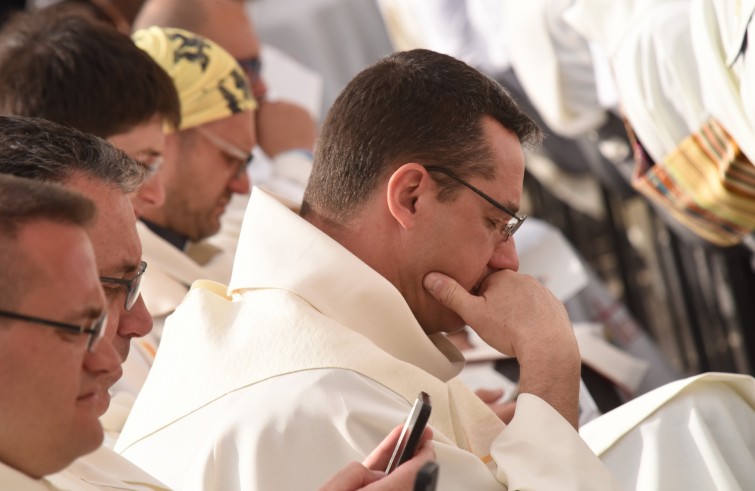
(89, 396)
(110, 379)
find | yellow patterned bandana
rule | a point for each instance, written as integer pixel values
(210, 83)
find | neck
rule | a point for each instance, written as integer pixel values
(367, 235)
(173, 238)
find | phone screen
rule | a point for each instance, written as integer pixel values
(411, 432)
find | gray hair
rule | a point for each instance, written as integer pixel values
(45, 151)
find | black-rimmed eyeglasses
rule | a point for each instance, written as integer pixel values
(132, 286)
(95, 330)
(510, 227)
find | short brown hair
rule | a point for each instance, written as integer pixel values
(412, 106)
(73, 70)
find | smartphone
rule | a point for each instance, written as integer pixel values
(427, 477)
(410, 434)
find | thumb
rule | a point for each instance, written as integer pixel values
(449, 293)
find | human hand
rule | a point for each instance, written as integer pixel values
(511, 312)
(370, 475)
(283, 126)
(518, 316)
(504, 410)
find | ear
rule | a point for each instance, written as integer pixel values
(407, 186)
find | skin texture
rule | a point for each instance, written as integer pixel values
(118, 252)
(200, 178)
(144, 143)
(403, 231)
(49, 381)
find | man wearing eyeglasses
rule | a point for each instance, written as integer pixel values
(333, 321)
(52, 313)
(57, 357)
(205, 164)
(285, 131)
(87, 164)
(56, 347)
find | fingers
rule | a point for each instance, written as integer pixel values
(379, 458)
(450, 293)
(405, 474)
(505, 411)
(489, 396)
(351, 478)
(356, 476)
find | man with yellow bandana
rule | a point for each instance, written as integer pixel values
(206, 159)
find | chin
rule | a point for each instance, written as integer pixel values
(103, 403)
(90, 438)
(445, 321)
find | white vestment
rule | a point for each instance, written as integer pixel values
(649, 46)
(170, 272)
(702, 438)
(99, 470)
(676, 63)
(305, 363)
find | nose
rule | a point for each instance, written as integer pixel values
(134, 323)
(104, 360)
(504, 256)
(240, 183)
(152, 191)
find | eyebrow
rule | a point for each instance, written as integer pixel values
(88, 313)
(508, 204)
(124, 268)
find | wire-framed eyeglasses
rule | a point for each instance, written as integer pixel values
(132, 286)
(95, 330)
(244, 158)
(509, 227)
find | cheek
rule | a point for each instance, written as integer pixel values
(114, 310)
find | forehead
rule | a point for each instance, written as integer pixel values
(146, 136)
(237, 129)
(64, 271)
(233, 30)
(114, 238)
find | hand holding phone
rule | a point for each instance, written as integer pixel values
(411, 432)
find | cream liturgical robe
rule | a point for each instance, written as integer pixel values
(169, 273)
(100, 470)
(696, 433)
(305, 363)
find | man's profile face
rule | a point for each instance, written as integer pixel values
(201, 175)
(145, 143)
(118, 252)
(49, 381)
(463, 239)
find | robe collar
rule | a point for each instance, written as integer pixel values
(279, 249)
